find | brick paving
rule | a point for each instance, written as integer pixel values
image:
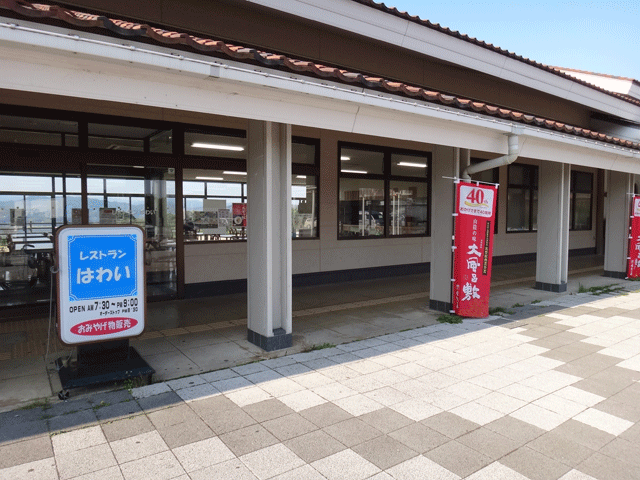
(550, 392)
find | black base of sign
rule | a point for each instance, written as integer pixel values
(105, 362)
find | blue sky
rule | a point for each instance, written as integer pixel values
(598, 36)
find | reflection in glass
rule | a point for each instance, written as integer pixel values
(130, 139)
(38, 131)
(304, 206)
(32, 207)
(409, 208)
(210, 197)
(361, 208)
(140, 196)
(361, 161)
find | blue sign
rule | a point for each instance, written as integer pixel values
(102, 266)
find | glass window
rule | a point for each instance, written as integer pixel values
(361, 161)
(409, 208)
(409, 165)
(581, 200)
(304, 153)
(143, 197)
(127, 138)
(383, 192)
(522, 198)
(32, 207)
(215, 145)
(38, 131)
(304, 206)
(215, 200)
(214, 205)
(361, 207)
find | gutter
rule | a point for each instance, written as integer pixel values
(507, 159)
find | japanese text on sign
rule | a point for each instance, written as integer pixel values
(101, 285)
(473, 239)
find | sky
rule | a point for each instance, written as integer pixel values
(596, 36)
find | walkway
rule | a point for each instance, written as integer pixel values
(550, 391)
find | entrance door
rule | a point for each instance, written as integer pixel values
(143, 196)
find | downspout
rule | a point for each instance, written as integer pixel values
(507, 159)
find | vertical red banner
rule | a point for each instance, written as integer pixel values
(476, 213)
(633, 264)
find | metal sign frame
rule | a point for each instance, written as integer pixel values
(100, 283)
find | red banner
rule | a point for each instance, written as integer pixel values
(633, 264)
(476, 213)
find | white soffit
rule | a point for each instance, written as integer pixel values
(62, 63)
(378, 25)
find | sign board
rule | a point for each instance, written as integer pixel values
(633, 262)
(475, 208)
(101, 282)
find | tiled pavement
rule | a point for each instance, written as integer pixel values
(554, 394)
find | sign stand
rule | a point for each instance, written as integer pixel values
(102, 363)
(101, 303)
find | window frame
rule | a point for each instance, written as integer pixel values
(386, 178)
(531, 187)
(572, 196)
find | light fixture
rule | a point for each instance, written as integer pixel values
(409, 164)
(231, 172)
(138, 166)
(353, 171)
(345, 158)
(301, 176)
(209, 178)
(216, 146)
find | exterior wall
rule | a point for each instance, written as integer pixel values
(208, 262)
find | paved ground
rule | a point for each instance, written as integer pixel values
(200, 335)
(552, 391)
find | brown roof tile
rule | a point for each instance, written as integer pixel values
(269, 59)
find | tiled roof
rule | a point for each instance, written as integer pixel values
(454, 33)
(605, 75)
(219, 48)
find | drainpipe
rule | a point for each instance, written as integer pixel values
(496, 162)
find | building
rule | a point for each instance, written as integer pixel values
(343, 123)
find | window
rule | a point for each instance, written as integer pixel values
(215, 199)
(38, 131)
(522, 198)
(383, 192)
(129, 139)
(305, 172)
(211, 198)
(581, 200)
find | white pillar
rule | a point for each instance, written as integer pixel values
(445, 164)
(552, 260)
(617, 210)
(269, 235)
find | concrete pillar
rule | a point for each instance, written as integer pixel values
(552, 260)
(446, 161)
(617, 210)
(269, 235)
